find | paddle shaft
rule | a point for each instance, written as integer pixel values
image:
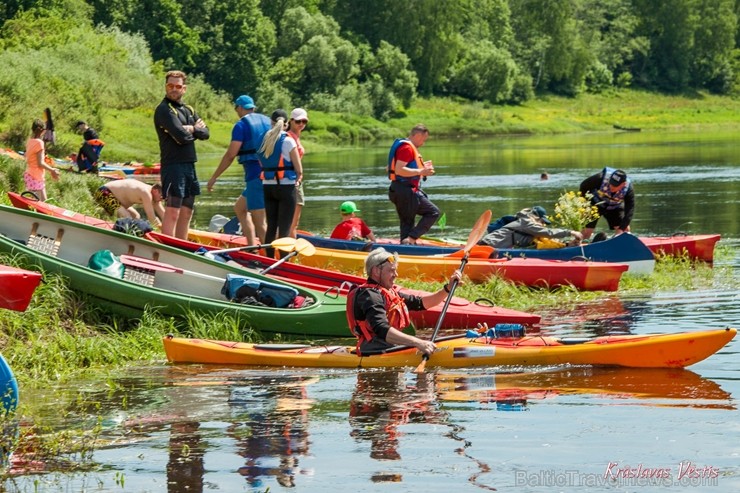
(276, 264)
(475, 235)
(453, 286)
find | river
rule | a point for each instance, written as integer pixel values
(192, 428)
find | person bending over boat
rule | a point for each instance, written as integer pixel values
(118, 197)
(522, 231)
(377, 313)
(614, 196)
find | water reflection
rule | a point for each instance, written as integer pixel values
(654, 386)
(384, 400)
(270, 427)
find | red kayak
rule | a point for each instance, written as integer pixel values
(461, 312)
(31, 204)
(17, 287)
(698, 247)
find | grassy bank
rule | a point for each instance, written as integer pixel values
(130, 136)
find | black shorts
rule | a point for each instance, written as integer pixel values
(179, 181)
(613, 216)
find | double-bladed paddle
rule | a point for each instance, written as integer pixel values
(301, 246)
(479, 229)
(285, 244)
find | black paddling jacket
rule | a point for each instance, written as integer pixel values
(176, 145)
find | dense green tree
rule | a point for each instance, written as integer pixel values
(163, 23)
(608, 28)
(240, 43)
(485, 73)
(714, 42)
(428, 31)
(549, 46)
(670, 27)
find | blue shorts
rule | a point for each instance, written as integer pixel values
(179, 180)
(254, 194)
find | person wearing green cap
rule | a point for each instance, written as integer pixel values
(351, 227)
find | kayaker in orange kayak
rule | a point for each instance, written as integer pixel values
(377, 313)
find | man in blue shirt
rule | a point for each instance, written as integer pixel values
(246, 137)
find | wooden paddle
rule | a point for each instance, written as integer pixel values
(303, 247)
(286, 244)
(145, 263)
(479, 229)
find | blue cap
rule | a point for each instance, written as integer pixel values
(245, 102)
(540, 212)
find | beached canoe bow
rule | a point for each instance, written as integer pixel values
(638, 351)
(174, 282)
(17, 287)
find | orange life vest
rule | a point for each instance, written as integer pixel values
(395, 309)
(415, 163)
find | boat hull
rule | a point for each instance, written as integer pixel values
(585, 275)
(625, 249)
(461, 313)
(170, 293)
(17, 287)
(697, 247)
(636, 351)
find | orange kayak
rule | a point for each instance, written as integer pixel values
(637, 351)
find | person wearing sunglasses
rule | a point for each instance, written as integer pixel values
(246, 137)
(296, 125)
(178, 126)
(377, 312)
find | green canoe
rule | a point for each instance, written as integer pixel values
(173, 282)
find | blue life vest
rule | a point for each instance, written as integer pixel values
(276, 167)
(258, 126)
(608, 199)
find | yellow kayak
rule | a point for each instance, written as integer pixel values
(595, 276)
(637, 351)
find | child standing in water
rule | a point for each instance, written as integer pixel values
(35, 162)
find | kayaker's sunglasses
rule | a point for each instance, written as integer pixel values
(171, 86)
(390, 260)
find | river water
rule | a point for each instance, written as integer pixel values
(194, 428)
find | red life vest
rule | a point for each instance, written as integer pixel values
(395, 308)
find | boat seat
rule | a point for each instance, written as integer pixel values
(145, 277)
(45, 244)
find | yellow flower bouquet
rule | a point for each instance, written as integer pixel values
(574, 211)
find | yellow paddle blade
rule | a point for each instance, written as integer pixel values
(304, 247)
(285, 244)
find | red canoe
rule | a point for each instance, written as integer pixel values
(699, 247)
(461, 312)
(17, 287)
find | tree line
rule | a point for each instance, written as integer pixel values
(373, 57)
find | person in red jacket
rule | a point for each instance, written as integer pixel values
(351, 227)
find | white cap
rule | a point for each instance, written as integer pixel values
(299, 114)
